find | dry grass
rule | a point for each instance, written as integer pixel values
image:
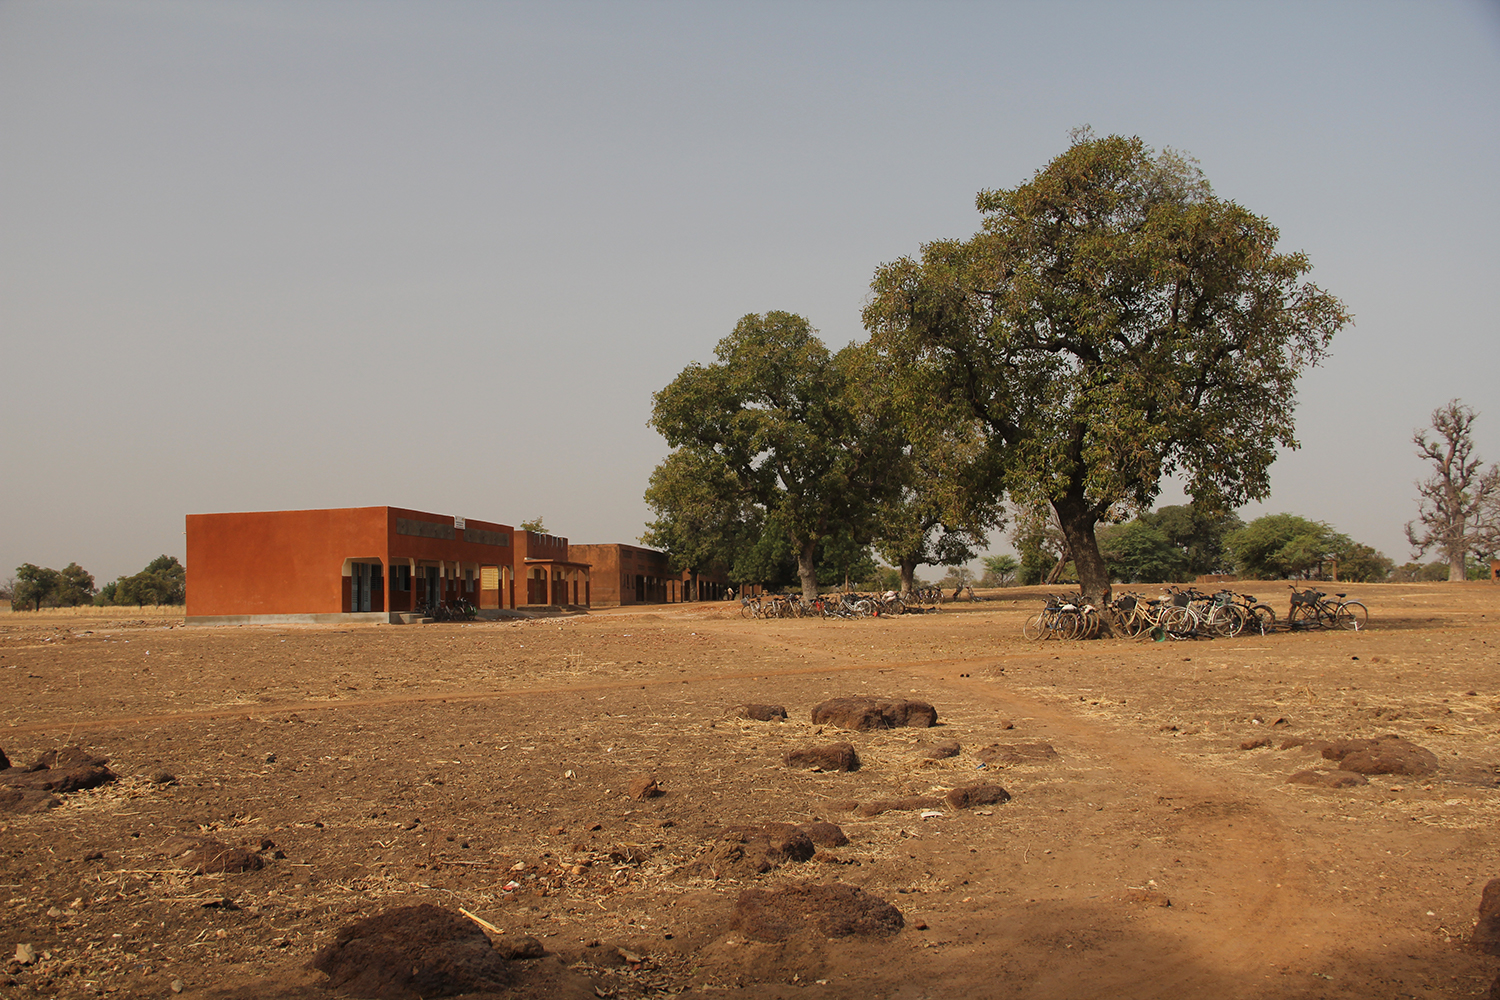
(91, 611)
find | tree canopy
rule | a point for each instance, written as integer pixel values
(34, 585)
(779, 438)
(1111, 323)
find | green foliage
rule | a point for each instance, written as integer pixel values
(1199, 534)
(1113, 322)
(106, 595)
(1138, 552)
(999, 571)
(35, 585)
(75, 586)
(1281, 545)
(780, 439)
(1041, 545)
(1359, 563)
(534, 525)
(163, 581)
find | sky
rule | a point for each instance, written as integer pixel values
(439, 255)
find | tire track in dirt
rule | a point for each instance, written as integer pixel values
(1268, 918)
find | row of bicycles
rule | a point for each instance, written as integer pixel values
(828, 606)
(1185, 613)
(448, 611)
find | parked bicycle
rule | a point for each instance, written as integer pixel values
(1312, 609)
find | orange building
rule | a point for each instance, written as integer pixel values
(629, 574)
(365, 564)
(551, 576)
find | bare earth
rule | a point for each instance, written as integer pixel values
(486, 767)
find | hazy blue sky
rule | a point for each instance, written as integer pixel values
(264, 255)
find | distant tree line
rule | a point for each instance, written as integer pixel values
(1177, 544)
(163, 581)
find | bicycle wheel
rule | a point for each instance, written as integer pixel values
(1228, 621)
(1178, 621)
(1262, 619)
(1036, 628)
(1351, 616)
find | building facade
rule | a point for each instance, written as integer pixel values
(364, 564)
(630, 574)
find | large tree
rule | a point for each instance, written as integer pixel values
(75, 586)
(1278, 546)
(784, 427)
(1113, 322)
(1458, 504)
(34, 585)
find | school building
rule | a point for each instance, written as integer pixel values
(368, 564)
(629, 574)
(388, 564)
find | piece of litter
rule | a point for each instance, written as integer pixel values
(932, 814)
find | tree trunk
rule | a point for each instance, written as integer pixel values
(1456, 568)
(806, 570)
(1078, 519)
(908, 577)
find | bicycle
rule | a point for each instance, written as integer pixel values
(1312, 609)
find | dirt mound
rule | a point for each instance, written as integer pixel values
(1487, 932)
(833, 757)
(874, 713)
(943, 750)
(828, 911)
(27, 800)
(762, 713)
(741, 851)
(71, 769)
(206, 856)
(1388, 754)
(644, 787)
(1328, 779)
(1002, 754)
(414, 951)
(824, 834)
(976, 795)
(906, 803)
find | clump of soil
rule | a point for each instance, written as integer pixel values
(829, 911)
(762, 713)
(644, 787)
(833, 757)
(1328, 779)
(824, 834)
(746, 850)
(1388, 754)
(859, 713)
(1486, 935)
(410, 952)
(976, 795)
(943, 750)
(56, 772)
(906, 803)
(206, 856)
(1001, 754)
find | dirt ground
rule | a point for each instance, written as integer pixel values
(486, 767)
